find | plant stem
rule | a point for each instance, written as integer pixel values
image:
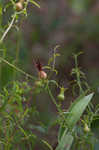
(9, 27)
(19, 70)
(54, 101)
(78, 74)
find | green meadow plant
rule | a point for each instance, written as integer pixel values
(78, 125)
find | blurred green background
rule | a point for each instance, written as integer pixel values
(72, 24)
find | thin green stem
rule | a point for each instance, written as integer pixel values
(54, 56)
(17, 55)
(7, 30)
(54, 101)
(78, 74)
(2, 38)
(79, 82)
(19, 70)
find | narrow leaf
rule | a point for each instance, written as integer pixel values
(35, 3)
(77, 109)
(65, 142)
(47, 144)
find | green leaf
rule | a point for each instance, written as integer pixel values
(35, 3)
(77, 109)
(57, 54)
(75, 112)
(38, 128)
(65, 142)
(60, 132)
(53, 81)
(47, 144)
(95, 126)
(47, 67)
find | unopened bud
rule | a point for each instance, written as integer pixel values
(19, 6)
(61, 94)
(42, 74)
(86, 128)
(38, 83)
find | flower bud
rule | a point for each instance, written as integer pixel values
(19, 6)
(38, 83)
(38, 86)
(86, 128)
(61, 94)
(42, 74)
